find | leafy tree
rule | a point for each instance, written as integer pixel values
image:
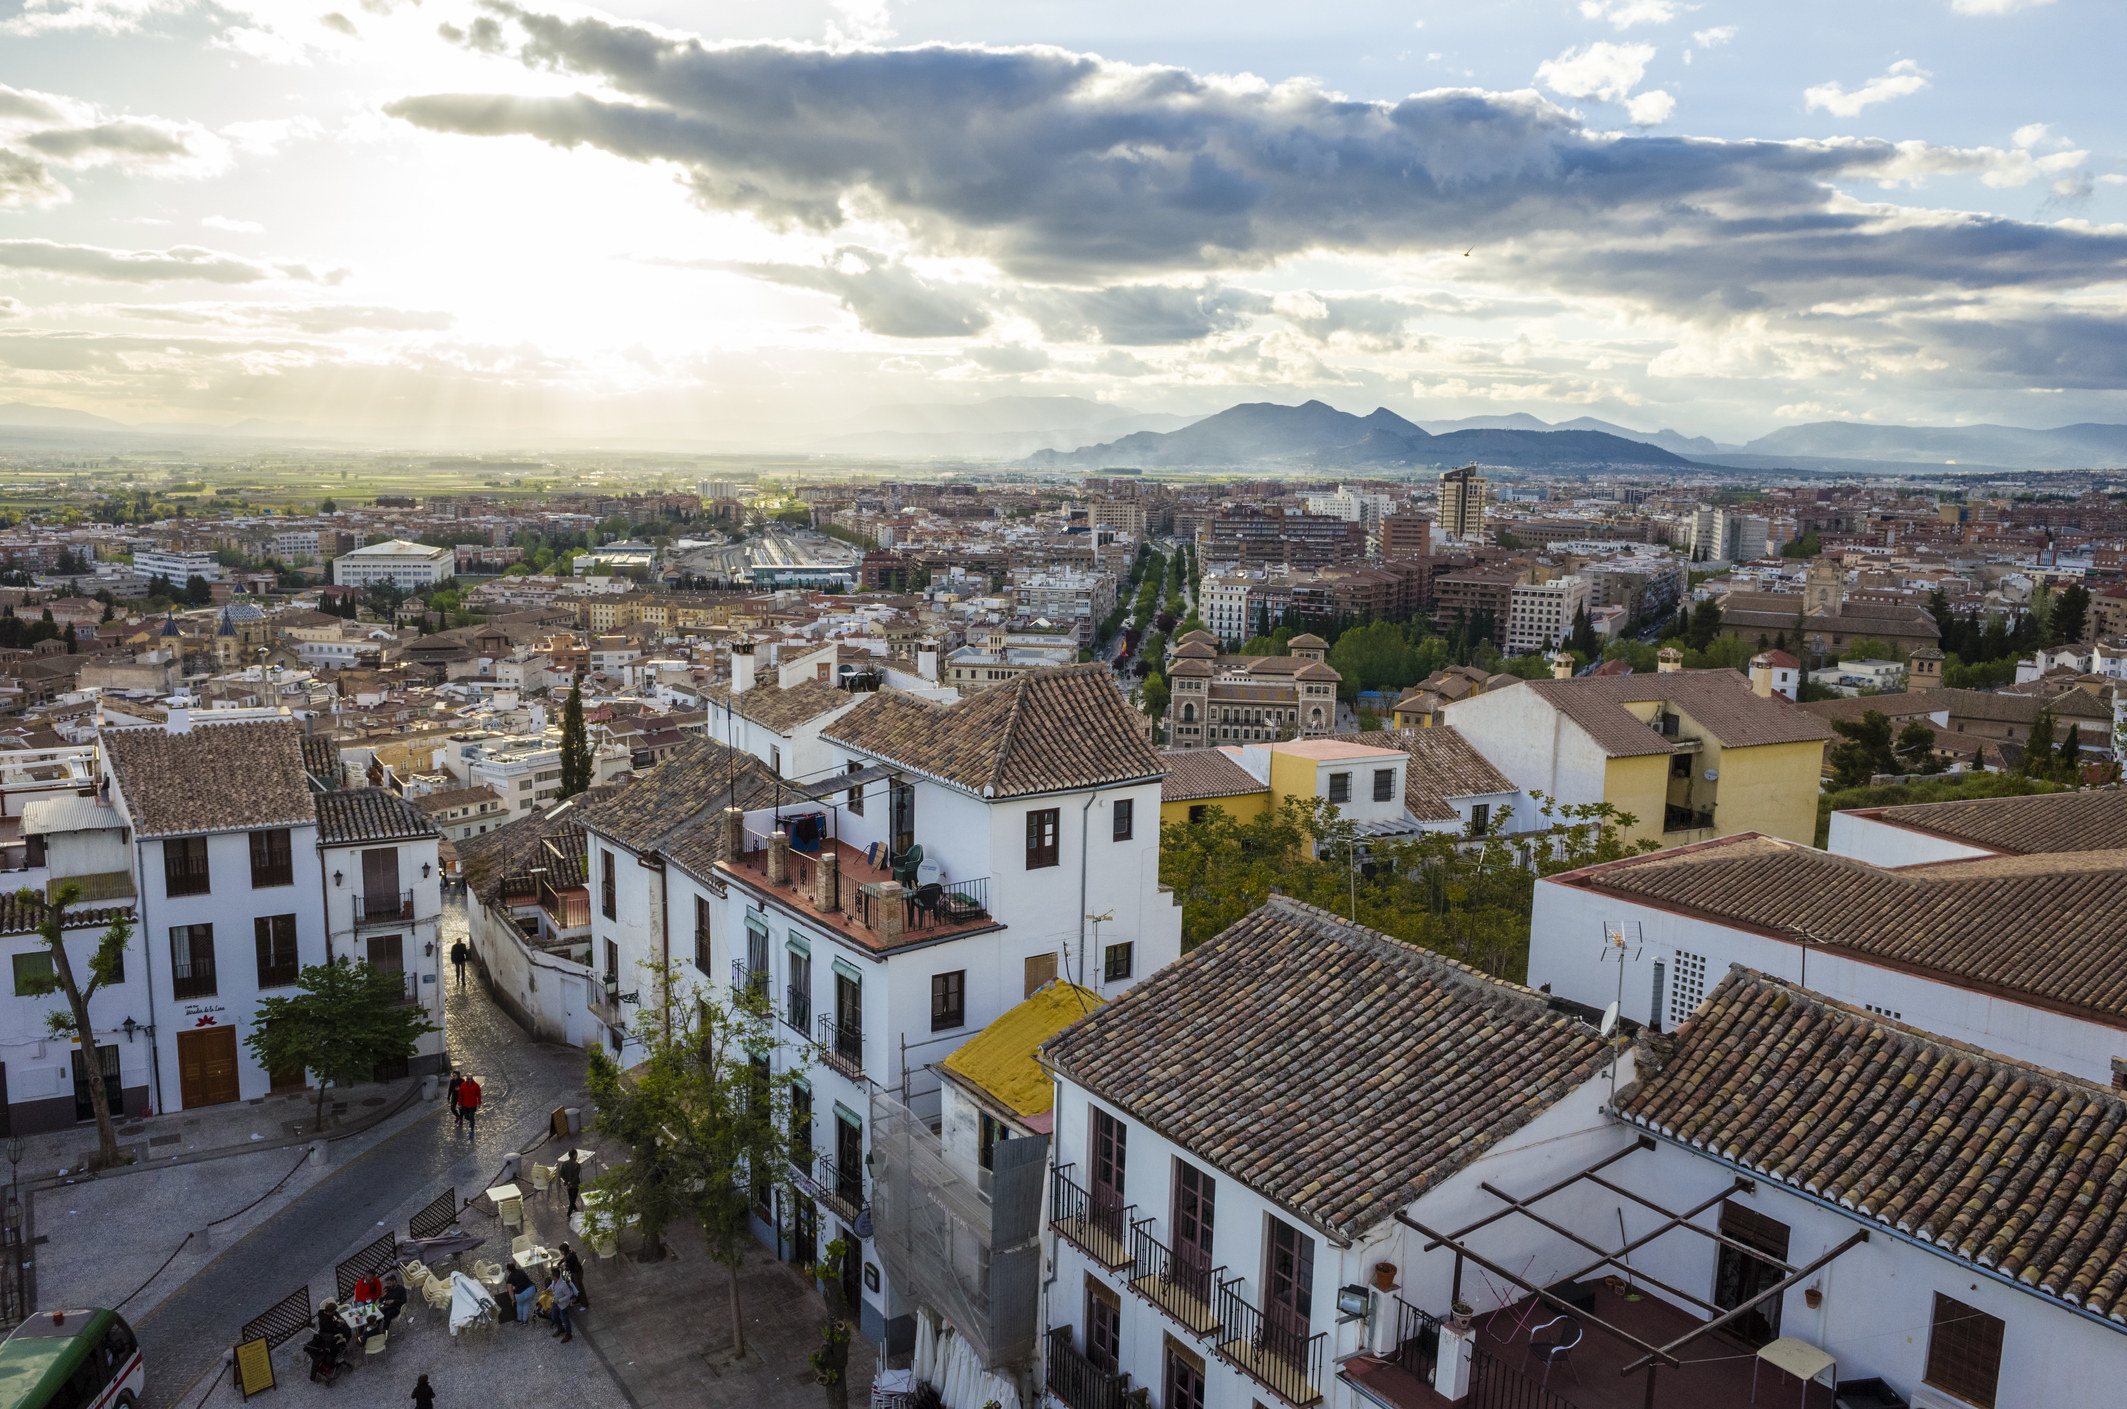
(1581, 640)
(2071, 613)
(707, 1121)
(1705, 624)
(1807, 546)
(575, 745)
(347, 1019)
(198, 592)
(1870, 648)
(72, 645)
(106, 965)
(2038, 749)
(328, 507)
(1916, 749)
(1865, 751)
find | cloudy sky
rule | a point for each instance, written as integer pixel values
(743, 223)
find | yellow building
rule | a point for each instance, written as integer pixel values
(1690, 754)
(1199, 780)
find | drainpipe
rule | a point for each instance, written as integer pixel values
(1085, 823)
(140, 870)
(325, 902)
(664, 927)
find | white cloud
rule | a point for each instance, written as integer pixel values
(1899, 80)
(241, 227)
(1603, 70)
(860, 21)
(1623, 14)
(1994, 7)
(1650, 109)
(94, 16)
(1713, 38)
(2029, 134)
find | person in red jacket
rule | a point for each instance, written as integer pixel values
(469, 1103)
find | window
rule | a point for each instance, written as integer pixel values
(1115, 963)
(1340, 787)
(949, 1000)
(1125, 818)
(993, 1130)
(1184, 1377)
(701, 934)
(856, 794)
(1289, 1286)
(612, 962)
(1040, 969)
(1111, 1140)
(1480, 819)
(1384, 785)
(275, 937)
(606, 885)
(184, 866)
(798, 1010)
(1198, 811)
(192, 961)
(775, 760)
(1964, 1351)
(801, 1126)
(1043, 828)
(1104, 1327)
(1195, 1200)
(271, 862)
(33, 967)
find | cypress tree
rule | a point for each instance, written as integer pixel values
(575, 745)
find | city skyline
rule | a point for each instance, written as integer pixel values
(739, 228)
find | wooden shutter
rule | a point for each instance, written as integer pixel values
(1964, 1351)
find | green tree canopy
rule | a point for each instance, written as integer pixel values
(575, 745)
(346, 1019)
(106, 965)
(1864, 751)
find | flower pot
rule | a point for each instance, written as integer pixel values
(1813, 1297)
(1385, 1276)
(1459, 1318)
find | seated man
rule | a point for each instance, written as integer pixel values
(393, 1301)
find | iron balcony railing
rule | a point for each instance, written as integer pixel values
(1494, 1384)
(1417, 1341)
(797, 1011)
(1077, 1381)
(1095, 1220)
(192, 976)
(931, 905)
(385, 908)
(1179, 1281)
(1274, 1350)
(842, 1046)
(842, 1188)
(747, 979)
(1683, 819)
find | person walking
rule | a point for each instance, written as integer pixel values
(572, 1267)
(469, 1104)
(459, 953)
(564, 1292)
(571, 1173)
(457, 1111)
(423, 1396)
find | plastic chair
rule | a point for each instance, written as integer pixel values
(519, 1246)
(542, 1177)
(1558, 1347)
(374, 1346)
(511, 1212)
(905, 865)
(605, 1246)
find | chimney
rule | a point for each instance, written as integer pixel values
(927, 660)
(1669, 660)
(741, 666)
(826, 879)
(1561, 666)
(734, 833)
(778, 856)
(1761, 677)
(890, 916)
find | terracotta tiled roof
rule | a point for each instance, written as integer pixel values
(2047, 822)
(456, 797)
(553, 845)
(1336, 1071)
(1443, 765)
(321, 758)
(1046, 731)
(685, 791)
(785, 710)
(20, 913)
(1200, 773)
(216, 778)
(1719, 700)
(2007, 1167)
(369, 814)
(1851, 708)
(2049, 928)
(2070, 706)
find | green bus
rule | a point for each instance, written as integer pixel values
(72, 1360)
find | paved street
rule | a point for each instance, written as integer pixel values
(185, 1335)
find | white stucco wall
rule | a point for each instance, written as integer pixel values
(1882, 843)
(1535, 745)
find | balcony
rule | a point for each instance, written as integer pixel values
(1077, 1381)
(1095, 1222)
(748, 980)
(567, 908)
(842, 1047)
(797, 1009)
(857, 910)
(385, 908)
(842, 1190)
(1269, 1349)
(194, 979)
(1681, 825)
(1178, 1283)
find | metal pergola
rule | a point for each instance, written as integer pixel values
(1652, 1357)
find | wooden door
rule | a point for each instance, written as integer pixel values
(206, 1067)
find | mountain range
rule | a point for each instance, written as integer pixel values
(1317, 435)
(1001, 428)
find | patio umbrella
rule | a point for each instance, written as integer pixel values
(926, 1357)
(441, 1247)
(469, 1302)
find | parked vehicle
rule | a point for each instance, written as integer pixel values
(85, 1359)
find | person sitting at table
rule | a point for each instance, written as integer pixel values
(572, 1268)
(367, 1288)
(522, 1292)
(333, 1329)
(393, 1299)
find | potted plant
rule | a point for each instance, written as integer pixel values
(1459, 1317)
(1385, 1276)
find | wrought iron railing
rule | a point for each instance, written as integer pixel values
(842, 1188)
(1094, 1219)
(1179, 1281)
(1683, 819)
(192, 976)
(387, 908)
(1077, 1381)
(1270, 1349)
(797, 1012)
(747, 979)
(1494, 1384)
(1417, 1340)
(842, 1046)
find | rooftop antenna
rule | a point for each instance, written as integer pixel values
(1622, 945)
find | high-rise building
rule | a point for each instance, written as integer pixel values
(1406, 535)
(1462, 504)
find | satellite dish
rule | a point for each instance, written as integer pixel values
(1609, 1020)
(1712, 774)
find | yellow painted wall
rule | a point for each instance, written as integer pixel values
(1639, 786)
(1771, 789)
(1292, 775)
(1243, 807)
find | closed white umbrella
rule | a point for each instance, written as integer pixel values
(469, 1302)
(925, 1363)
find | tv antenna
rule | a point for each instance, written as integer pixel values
(1623, 943)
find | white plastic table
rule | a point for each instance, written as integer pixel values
(1798, 1358)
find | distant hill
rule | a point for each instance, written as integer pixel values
(17, 413)
(1002, 427)
(2078, 447)
(1320, 436)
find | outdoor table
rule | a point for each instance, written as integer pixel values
(509, 1204)
(541, 1258)
(1798, 1358)
(504, 1191)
